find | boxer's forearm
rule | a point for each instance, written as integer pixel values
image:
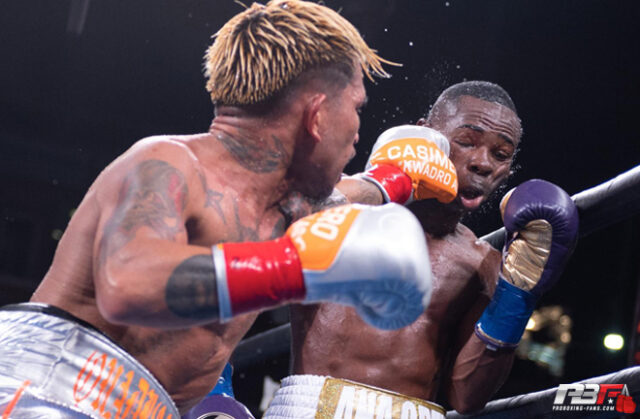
(477, 374)
(156, 283)
(360, 191)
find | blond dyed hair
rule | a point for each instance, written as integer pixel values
(262, 49)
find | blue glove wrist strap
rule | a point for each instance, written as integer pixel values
(505, 318)
(224, 385)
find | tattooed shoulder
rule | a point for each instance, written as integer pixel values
(153, 194)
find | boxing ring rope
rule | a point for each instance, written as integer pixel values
(539, 404)
(610, 202)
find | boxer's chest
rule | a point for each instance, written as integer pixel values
(234, 220)
(456, 284)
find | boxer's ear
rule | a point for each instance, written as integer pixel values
(314, 115)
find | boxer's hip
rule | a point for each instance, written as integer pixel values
(52, 362)
(311, 396)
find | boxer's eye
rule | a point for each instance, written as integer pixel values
(501, 155)
(464, 143)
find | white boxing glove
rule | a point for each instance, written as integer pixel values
(373, 258)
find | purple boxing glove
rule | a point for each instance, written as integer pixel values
(219, 406)
(542, 228)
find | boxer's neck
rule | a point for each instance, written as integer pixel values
(436, 218)
(252, 157)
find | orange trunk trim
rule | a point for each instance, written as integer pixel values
(14, 401)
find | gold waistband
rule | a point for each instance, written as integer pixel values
(346, 399)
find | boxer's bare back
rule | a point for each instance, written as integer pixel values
(164, 190)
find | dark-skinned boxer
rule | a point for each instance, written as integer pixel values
(460, 349)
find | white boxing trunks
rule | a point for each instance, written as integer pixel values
(53, 365)
(312, 396)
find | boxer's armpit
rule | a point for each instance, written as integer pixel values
(191, 289)
(259, 155)
(279, 228)
(295, 206)
(336, 199)
(153, 195)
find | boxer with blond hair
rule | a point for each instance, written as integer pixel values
(179, 243)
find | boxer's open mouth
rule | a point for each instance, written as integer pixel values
(471, 197)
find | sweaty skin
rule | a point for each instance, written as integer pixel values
(135, 260)
(438, 357)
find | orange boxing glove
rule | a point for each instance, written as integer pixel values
(411, 162)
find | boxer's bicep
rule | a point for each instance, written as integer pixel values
(467, 324)
(477, 372)
(485, 279)
(142, 239)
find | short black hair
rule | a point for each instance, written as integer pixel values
(484, 90)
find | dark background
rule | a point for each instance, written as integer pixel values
(81, 80)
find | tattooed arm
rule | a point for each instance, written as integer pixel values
(145, 272)
(360, 191)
